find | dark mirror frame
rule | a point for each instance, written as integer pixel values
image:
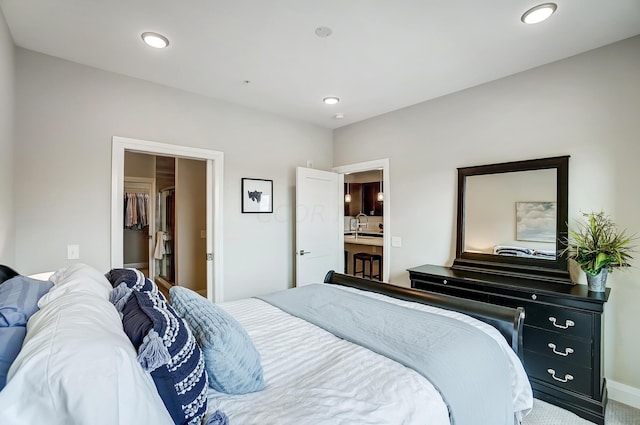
(551, 270)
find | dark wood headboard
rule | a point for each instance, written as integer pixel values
(507, 320)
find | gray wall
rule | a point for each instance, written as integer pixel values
(66, 116)
(7, 75)
(586, 106)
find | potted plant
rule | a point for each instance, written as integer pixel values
(598, 246)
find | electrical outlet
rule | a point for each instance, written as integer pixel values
(73, 252)
(203, 234)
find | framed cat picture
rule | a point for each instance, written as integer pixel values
(257, 195)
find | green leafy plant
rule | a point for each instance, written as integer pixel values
(599, 244)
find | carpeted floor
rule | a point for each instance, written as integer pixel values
(548, 414)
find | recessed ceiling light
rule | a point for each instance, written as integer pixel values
(539, 13)
(156, 40)
(331, 100)
(323, 32)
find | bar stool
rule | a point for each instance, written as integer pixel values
(365, 257)
(346, 260)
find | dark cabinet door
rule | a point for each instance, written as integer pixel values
(370, 203)
(355, 206)
(364, 199)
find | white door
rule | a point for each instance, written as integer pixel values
(319, 225)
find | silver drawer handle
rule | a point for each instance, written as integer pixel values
(567, 377)
(566, 325)
(567, 350)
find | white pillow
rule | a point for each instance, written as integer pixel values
(41, 276)
(77, 366)
(77, 278)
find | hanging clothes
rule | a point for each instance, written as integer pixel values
(142, 201)
(160, 251)
(136, 208)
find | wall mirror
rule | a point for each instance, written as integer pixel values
(512, 218)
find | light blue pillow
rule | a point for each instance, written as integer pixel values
(19, 299)
(10, 344)
(231, 360)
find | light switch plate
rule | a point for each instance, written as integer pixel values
(73, 252)
(396, 241)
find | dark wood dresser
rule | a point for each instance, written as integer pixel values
(562, 331)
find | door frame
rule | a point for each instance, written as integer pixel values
(215, 174)
(386, 207)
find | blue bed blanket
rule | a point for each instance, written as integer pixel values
(464, 364)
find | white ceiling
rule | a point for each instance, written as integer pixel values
(383, 54)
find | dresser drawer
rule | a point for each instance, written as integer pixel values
(442, 286)
(559, 373)
(565, 349)
(560, 319)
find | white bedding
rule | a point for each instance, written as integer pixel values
(313, 377)
(77, 366)
(520, 386)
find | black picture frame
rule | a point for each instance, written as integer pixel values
(257, 196)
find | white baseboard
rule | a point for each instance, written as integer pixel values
(623, 393)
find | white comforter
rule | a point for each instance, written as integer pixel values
(76, 365)
(313, 377)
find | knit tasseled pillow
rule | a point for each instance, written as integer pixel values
(232, 361)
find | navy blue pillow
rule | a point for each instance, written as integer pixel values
(125, 281)
(135, 322)
(133, 278)
(168, 350)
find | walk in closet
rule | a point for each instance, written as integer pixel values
(165, 219)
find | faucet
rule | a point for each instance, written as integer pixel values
(359, 224)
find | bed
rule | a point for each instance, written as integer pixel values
(79, 362)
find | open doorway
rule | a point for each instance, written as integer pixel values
(367, 211)
(364, 224)
(165, 219)
(211, 233)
